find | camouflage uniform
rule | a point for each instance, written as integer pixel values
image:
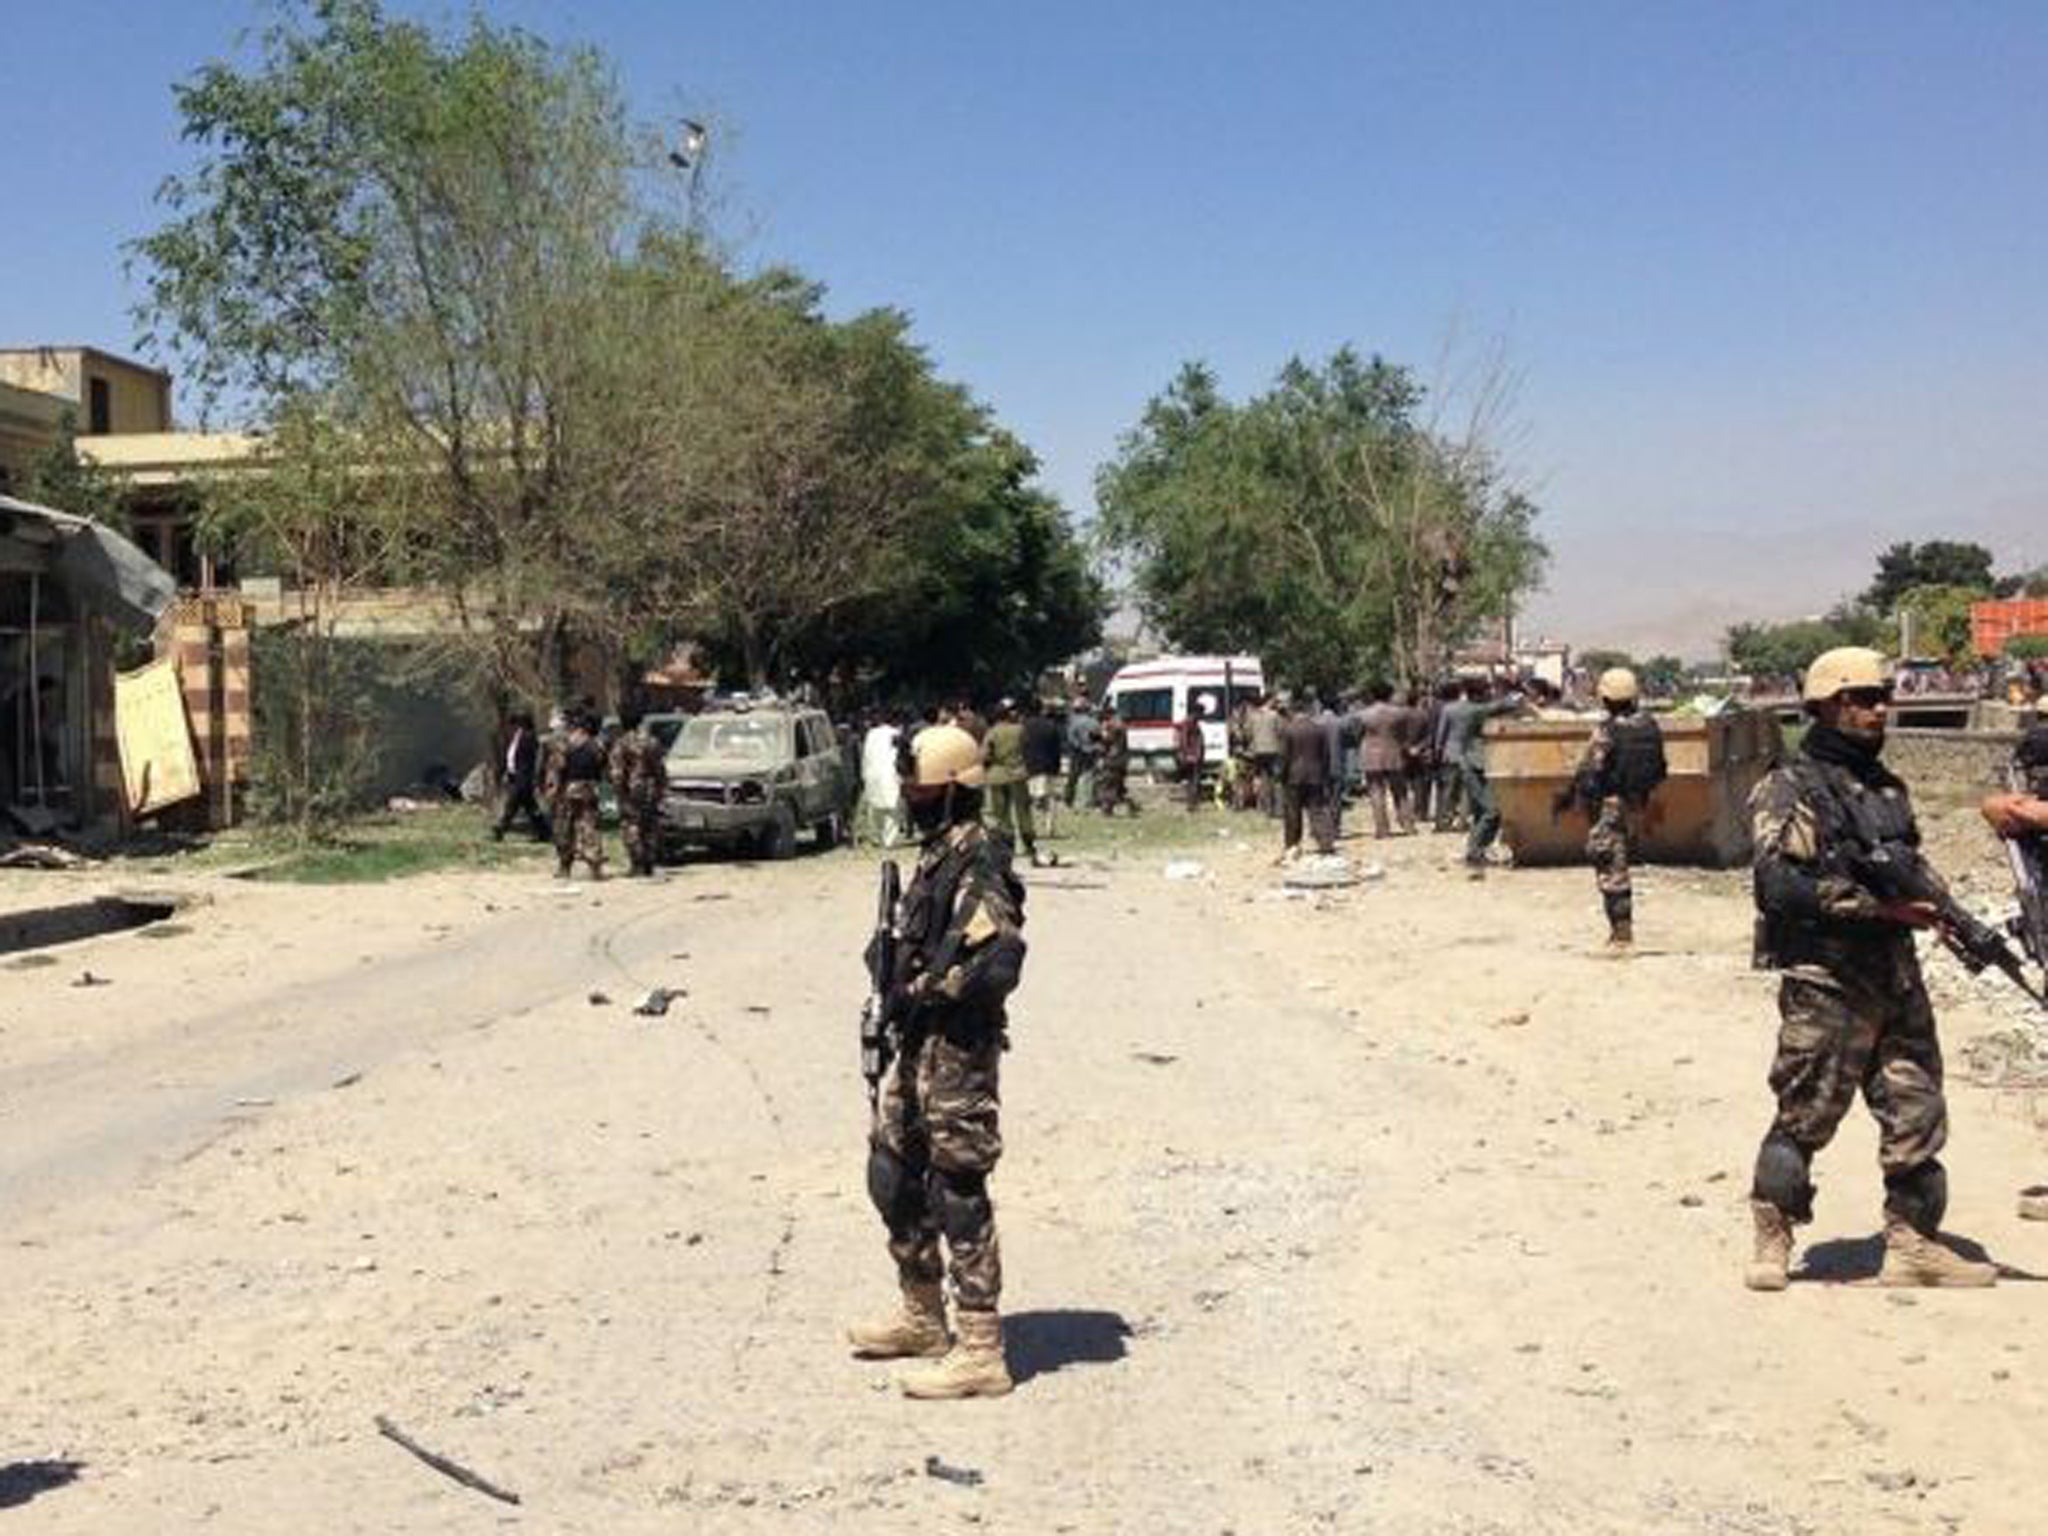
(935, 1139)
(575, 769)
(1112, 772)
(1616, 816)
(639, 775)
(1853, 1009)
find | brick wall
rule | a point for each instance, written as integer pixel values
(208, 638)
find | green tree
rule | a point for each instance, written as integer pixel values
(1662, 675)
(1320, 523)
(1597, 661)
(1939, 620)
(308, 509)
(2026, 648)
(1937, 563)
(62, 477)
(1780, 650)
(420, 231)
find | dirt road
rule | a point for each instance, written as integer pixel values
(1405, 1211)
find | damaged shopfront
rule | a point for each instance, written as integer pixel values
(70, 591)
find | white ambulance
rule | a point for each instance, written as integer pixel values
(1151, 697)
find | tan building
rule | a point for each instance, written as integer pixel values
(106, 394)
(30, 421)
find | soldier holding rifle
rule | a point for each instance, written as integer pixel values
(942, 966)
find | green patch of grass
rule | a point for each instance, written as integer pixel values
(370, 849)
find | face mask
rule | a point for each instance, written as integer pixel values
(928, 814)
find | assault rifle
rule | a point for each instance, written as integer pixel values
(878, 1029)
(1893, 871)
(2028, 856)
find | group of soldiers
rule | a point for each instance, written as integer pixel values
(1854, 1011)
(554, 781)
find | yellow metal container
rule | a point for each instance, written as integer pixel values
(1699, 815)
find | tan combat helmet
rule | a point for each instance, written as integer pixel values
(1848, 666)
(1618, 685)
(945, 754)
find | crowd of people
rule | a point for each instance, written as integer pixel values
(1415, 758)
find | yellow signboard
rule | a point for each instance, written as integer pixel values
(157, 765)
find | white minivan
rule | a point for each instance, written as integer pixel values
(1151, 697)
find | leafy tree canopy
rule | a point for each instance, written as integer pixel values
(1321, 524)
(1936, 563)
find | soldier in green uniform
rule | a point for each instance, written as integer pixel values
(575, 771)
(935, 1139)
(639, 775)
(1854, 1012)
(1622, 767)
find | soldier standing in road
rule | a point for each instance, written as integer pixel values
(577, 769)
(1008, 780)
(2021, 816)
(1855, 1014)
(1622, 766)
(935, 1139)
(639, 775)
(1112, 776)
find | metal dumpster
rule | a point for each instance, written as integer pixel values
(1699, 815)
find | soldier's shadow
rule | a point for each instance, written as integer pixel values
(1039, 1343)
(21, 1481)
(1849, 1260)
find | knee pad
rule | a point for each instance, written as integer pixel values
(897, 1195)
(1920, 1194)
(1781, 1176)
(961, 1203)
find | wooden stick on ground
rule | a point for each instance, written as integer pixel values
(443, 1465)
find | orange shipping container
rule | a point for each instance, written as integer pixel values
(1994, 623)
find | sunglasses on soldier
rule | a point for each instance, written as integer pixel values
(1866, 698)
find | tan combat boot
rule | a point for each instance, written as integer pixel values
(974, 1367)
(1768, 1270)
(1621, 937)
(916, 1332)
(1913, 1258)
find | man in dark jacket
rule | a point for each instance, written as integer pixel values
(1041, 760)
(1307, 777)
(522, 780)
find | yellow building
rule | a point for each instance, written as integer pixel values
(106, 394)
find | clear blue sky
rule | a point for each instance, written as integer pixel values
(1771, 275)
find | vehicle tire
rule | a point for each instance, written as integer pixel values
(779, 840)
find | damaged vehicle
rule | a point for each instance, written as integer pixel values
(752, 779)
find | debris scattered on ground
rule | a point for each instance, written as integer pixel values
(2009, 1058)
(347, 1080)
(1512, 1020)
(655, 1004)
(1184, 869)
(442, 1465)
(761, 1008)
(1322, 872)
(1154, 1058)
(87, 979)
(712, 896)
(41, 856)
(598, 999)
(403, 804)
(254, 1102)
(960, 1477)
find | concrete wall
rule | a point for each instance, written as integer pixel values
(1932, 761)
